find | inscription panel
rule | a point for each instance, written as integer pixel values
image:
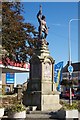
(47, 70)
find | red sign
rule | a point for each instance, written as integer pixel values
(8, 62)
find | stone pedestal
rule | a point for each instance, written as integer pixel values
(40, 90)
(18, 89)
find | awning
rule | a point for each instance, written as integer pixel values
(13, 69)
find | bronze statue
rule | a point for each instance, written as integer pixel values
(43, 30)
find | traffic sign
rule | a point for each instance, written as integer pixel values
(70, 69)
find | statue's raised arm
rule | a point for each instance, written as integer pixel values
(43, 30)
(39, 15)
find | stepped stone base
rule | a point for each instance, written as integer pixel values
(41, 115)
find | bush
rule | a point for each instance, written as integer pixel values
(66, 106)
(79, 106)
(18, 107)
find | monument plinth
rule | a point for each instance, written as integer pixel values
(40, 89)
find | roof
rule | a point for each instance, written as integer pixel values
(76, 67)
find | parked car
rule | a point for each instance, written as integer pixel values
(77, 95)
(67, 94)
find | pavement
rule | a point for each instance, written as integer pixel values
(38, 115)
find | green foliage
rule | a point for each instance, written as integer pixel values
(75, 81)
(16, 108)
(67, 82)
(18, 38)
(79, 106)
(1, 106)
(66, 106)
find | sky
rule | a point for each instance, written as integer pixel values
(58, 15)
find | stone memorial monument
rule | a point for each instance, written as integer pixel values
(40, 89)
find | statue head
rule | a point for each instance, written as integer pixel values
(43, 17)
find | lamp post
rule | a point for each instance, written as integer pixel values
(70, 68)
(69, 41)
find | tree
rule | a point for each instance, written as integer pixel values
(18, 38)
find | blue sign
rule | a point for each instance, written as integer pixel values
(70, 69)
(10, 78)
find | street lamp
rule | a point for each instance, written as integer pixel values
(70, 68)
(70, 40)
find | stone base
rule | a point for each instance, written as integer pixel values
(32, 99)
(50, 102)
(44, 102)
